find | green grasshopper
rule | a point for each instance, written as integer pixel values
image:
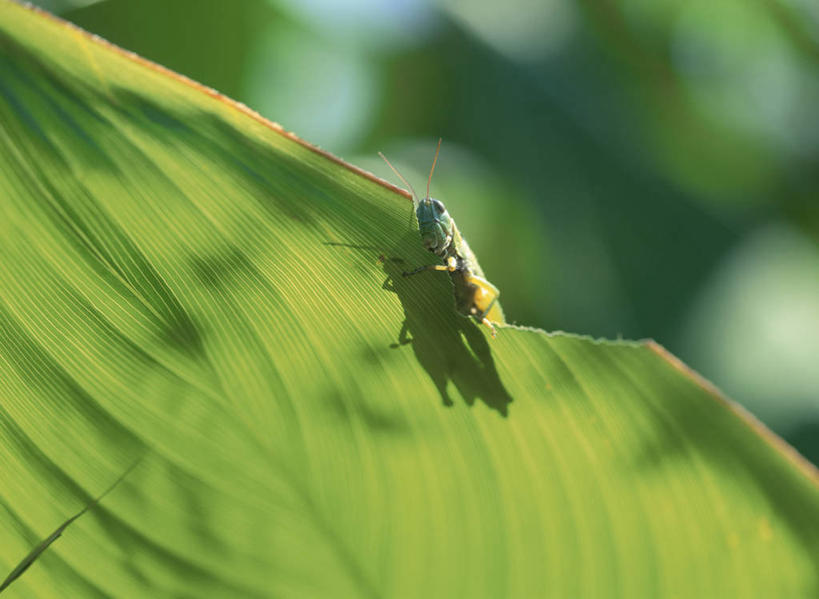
(474, 295)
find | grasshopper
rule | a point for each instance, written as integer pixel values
(474, 296)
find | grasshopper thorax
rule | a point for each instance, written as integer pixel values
(435, 225)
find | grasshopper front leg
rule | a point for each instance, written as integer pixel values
(450, 266)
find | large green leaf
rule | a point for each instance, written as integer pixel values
(187, 290)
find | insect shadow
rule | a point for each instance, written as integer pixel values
(451, 349)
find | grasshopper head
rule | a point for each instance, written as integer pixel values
(434, 224)
(433, 220)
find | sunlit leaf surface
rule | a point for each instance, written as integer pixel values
(186, 288)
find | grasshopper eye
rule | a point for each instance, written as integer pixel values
(439, 206)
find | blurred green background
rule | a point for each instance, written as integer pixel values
(634, 168)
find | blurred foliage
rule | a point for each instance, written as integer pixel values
(614, 163)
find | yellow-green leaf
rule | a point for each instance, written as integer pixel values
(186, 286)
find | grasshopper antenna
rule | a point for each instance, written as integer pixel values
(434, 160)
(407, 183)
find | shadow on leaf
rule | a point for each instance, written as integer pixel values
(448, 346)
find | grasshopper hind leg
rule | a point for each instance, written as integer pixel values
(481, 300)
